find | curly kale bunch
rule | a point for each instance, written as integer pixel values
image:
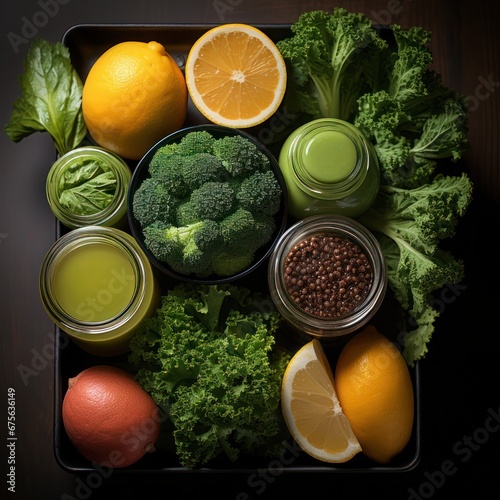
(208, 358)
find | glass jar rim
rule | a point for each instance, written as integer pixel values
(76, 239)
(118, 203)
(329, 190)
(355, 232)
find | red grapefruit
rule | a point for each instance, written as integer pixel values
(109, 417)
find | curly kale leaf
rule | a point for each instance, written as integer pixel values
(410, 224)
(332, 58)
(412, 119)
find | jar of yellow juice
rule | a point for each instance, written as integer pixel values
(97, 285)
(329, 168)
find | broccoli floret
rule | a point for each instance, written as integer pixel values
(201, 168)
(158, 159)
(168, 168)
(260, 192)
(243, 233)
(213, 200)
(199, 241)
(226, 262)
(164, 248)
(207, 235)
(160, 155)
(247, 229)
(198, 141)
(237, 255)
(186, 214)
(237, 225)
(240, 156)
(265, 226)
(153, 201)
(186, 249)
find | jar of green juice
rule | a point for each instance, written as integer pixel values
(97, 285)
(329, 168)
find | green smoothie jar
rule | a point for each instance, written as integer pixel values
(329, 168)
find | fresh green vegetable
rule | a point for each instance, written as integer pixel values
(208, 205)
(208, 357)
(239, 156)
(154, 202)
(200, 168)
(243, 233)
(247, 228)
(188, 248)
(51, 101)
(260, 193)
(182, 174)
(214, 200)
(199, 141)
(411, 118)
(332, 59)
(87, 187)
(410, 223)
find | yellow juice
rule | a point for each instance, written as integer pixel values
(97, 285)
(95, 282)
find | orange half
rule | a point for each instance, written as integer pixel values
(235, 75)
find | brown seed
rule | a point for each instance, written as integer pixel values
(332, 264)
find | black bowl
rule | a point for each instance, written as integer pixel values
(141, 172)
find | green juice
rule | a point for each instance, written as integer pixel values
(329, 156)
(329, 168)
(98, 286)
(105, 282)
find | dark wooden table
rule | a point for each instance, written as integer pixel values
(460, 397)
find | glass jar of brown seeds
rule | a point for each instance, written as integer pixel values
(327, 276)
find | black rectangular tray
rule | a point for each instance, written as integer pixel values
(86, 43)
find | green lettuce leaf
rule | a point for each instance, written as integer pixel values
(51, 98)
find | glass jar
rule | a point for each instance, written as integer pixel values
(78, 166)
(329, 168)
(97, 285)
(333, 295)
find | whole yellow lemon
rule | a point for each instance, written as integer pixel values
(375, 391)
(134, 95)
